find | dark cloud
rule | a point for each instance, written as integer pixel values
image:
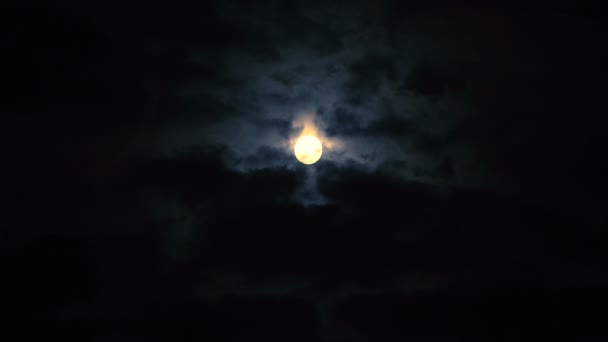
(345, 122)
(367, 75)
(154, 181)
(390, 126)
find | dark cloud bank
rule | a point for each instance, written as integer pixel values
(462, 190)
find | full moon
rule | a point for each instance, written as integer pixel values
(308, 149)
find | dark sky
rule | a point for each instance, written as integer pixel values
(462, 189)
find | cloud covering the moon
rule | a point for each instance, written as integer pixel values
(356, 82)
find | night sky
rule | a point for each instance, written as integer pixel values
(155, 195)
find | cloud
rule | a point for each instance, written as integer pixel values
(245, 226)
(374, 100)
(447, 152)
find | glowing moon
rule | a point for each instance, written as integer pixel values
(308, 149)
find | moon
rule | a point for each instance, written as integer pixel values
(308, 149)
